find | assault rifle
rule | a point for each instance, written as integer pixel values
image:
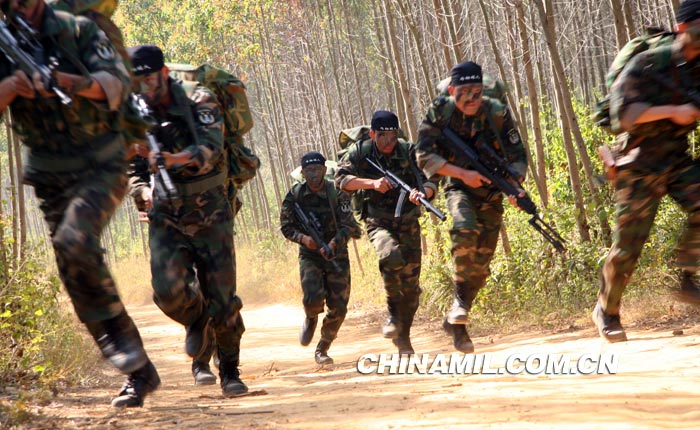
(27, 54)
(503, 177)
(147, 115)
(396, 182)
(313, 227)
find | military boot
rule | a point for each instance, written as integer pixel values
(120, 342)
(307, 330)
(460, 336)
(689, 292)
(231, 384)
(197, 337)
(391, 327)
(202, 373)
(403, 343)
(321, 354)
(609, 326)
(459, 313)
(138, 384)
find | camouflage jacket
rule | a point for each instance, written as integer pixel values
(331, 208)
(54, 131)
(201, 180)
(432, 155)
(354, 165)
(642, 83)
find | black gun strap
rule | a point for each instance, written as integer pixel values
(332, 200)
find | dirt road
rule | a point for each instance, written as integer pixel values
(657, 384)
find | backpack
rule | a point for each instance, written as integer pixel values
(654, 38)
(242, 163)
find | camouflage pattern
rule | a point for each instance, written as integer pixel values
(476, 212)
(320, 283)
(653, 162)
(654, 39)
(76, 7)
(76, 162)
(191, 239)
(396, 240)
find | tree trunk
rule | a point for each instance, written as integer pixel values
(620, 24)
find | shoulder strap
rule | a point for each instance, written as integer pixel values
(332, 196)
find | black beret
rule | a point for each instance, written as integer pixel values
(312, 157)
(384, 120)
(688, 11)
(466, 73)
(146, 59)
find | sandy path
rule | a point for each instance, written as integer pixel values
(657, 384)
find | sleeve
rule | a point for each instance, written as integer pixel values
(139, 178)
(208, 118)
(347, 226)
(513, 146)
(347, 167)
(426, 183)
(103, 62)
(429, 155)
(288, 222)
(629, 89)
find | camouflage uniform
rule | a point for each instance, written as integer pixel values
(396, 240)
(476, 212)
(319, 281)
(191, 239)
(652, 162)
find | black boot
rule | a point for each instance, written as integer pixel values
(137, 386)
(231, 384)
(403, 343)
(609, 326)
(392, 327)
(321, 354)
(460, 337)
(689, 291)
(197, 337)
(307, 330)
(202, 373)
(120, 342)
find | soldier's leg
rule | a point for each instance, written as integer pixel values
(201, 371)
(337, 290)
(411, 251)
(77, 209)
(637, 195)
(314, 295)
(684, 188)
(391, 263)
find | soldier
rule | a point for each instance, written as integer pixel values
(650, 103)
(76, 166)
(191, 234)
(395, 238)
(476, 207)
(324, 278)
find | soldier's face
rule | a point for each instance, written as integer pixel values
(153, 87)
(314, 174)
(27, 8)
(385, 139)
(467, 97)
(690, 33)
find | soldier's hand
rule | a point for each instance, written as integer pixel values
(381, 185)
(143, 217)
(473, 179)
(22, 85)
(39, 86)
(514, 199)
(147, 197)
(685, 114)
(309, 242)
(414, 196)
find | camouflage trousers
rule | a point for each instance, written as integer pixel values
(638, 193)
(474, 236)
(77, 207)
(397, 243)
(322, 285)
(195, 273)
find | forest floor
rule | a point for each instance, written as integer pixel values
(656, 385)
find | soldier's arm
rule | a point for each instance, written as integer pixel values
(288, 223)
(139, 182)
(430, 187)
(347, 227)
(201, 158)
(428, 154)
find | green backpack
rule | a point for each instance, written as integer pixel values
(243, 164)
(654, 38)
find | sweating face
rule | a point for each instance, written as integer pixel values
(467, 97)
(385, 140)
(153, 87)
(314, 175)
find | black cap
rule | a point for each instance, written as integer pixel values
(384, 120)
(146, 59)
(466, 73)
(312, 157)
(688, 11)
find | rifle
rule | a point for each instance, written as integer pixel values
(503, 177)
(313, 227)
(396, 182)
(147, 115)
(27, 54)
